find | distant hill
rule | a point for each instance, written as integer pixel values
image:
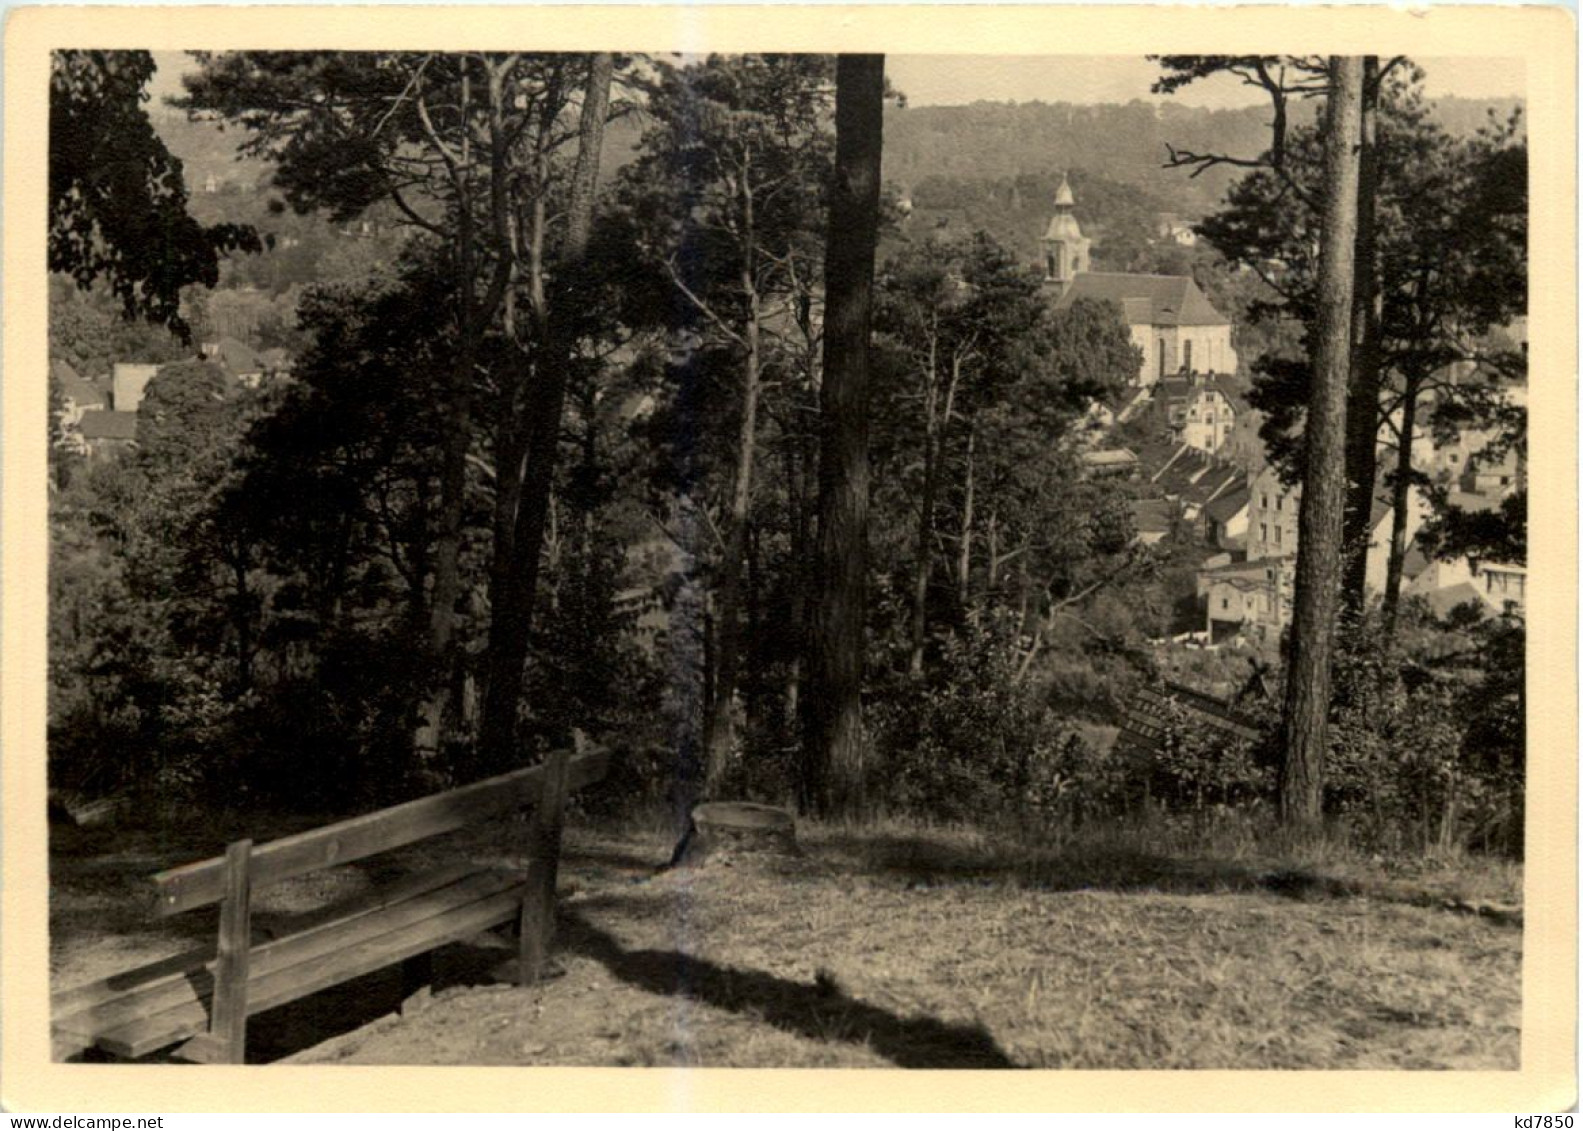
(991, 141)
(989, 165)
(995, 166)
(208, 149)
(1467, 115)
(1127, 144)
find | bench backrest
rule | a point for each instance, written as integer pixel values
(203, 883)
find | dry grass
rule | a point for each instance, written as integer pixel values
(898, 945)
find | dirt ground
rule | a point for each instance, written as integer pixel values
(904, 949)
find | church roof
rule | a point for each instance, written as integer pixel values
(1154, 300)
(1063, 195)
(1063, 226)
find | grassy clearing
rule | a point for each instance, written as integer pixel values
(899, 945)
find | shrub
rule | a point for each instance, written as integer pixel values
(970, 741)
(1426, 739)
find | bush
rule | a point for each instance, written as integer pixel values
(1198, 768)
(970, 742)
(1425, 747)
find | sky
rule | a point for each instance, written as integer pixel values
(954, 80)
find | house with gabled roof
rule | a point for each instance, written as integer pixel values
(78, 394)
(1109, 462)
(105, 432)
(1226, 519)
(237, 360)
(1247, 595)
(1199, 409)
(1152, 520)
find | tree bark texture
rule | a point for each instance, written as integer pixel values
(1401, 495)
(1318, 580)
(964, 558)
(1363, 399)
(834, 753)
(938, 411)
(430, 737)
(919, 622)
(546, 400)
(720, 722)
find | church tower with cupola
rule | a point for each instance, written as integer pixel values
(1064, 245)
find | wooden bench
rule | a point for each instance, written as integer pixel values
(200, 1001)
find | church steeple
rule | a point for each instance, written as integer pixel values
(1064, 245)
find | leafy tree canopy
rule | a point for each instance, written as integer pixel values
(117, 201)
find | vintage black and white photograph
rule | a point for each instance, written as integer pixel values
(787, 560)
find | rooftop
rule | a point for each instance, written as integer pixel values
(237, 357)
(1226, 506)
(1156, 300)
(102, 424)
(1152, 516)
(73, 385)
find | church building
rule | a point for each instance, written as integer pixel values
(1172, 321)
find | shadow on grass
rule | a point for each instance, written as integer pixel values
(819, 1011)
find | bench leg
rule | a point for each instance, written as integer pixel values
(544, 856)
(535, 924)
(228, 1018)
(417, 983)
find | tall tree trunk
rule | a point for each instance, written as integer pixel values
(457, 428)
(720, 723)
(797, 498)
(992, 553)
(1307, 705)
(1401, 496)
(545, 404)
(937, 417)
(964, 557)
(242, 619)
(834, 750)
(918, 628)
(510, 606)
(1363, 398)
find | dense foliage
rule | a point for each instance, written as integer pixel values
(242, 605)
(117, 200)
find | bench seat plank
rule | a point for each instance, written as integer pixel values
(413, 901)
(280, 986)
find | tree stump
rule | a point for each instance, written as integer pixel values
(727, 830)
